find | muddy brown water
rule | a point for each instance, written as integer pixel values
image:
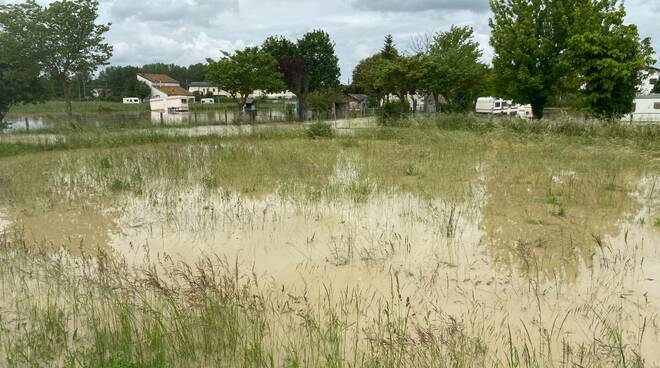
(497, 253)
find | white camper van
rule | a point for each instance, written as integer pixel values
(207, 101)
(495, 106)
(646, 109)
(131, 100)
(525, 112)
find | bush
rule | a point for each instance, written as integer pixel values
(320, 130)
(393, 111)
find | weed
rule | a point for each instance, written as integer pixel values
(320, 130)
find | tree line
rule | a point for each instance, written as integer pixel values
(546, 51)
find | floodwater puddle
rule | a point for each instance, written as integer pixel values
(536, 245)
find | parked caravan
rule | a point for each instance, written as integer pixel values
(131, 100)
(207, 101)
(645, 109)
(525, 112)
(495, 106)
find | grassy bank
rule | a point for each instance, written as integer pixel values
(79, 107)
(416, 129)
(54, 107)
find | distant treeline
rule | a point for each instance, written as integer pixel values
(115, 82)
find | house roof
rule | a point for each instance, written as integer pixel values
(158, 78)
(358, 96)
(653, 96)
(202, 84)
(174, 91)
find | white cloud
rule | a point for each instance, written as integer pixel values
(189, 31)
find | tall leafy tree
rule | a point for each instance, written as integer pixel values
(529, 38)
(367, 76)
(610, 60)
(245, 71)
(73, 44)
(20, 56)
(452, 67)
(308, 65)
(318, 52)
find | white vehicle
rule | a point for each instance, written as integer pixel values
(525, 112)
(131, 100)
(207, 101)
(495, 106)
(645, 109)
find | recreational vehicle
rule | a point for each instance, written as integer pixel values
(645, 109)
(131, 100)
(495, 106)
(525, 112)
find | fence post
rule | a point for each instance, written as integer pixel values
(161, 118)
(225, 116)
(27, 124)
(195, 112)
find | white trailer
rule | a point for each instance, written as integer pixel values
(207, 101)
(495, 106)
(645, 109)
(131, 100)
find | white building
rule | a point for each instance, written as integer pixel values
(205, 87)
(166, 93)
(651, 79)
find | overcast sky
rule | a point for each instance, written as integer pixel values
(189, 31)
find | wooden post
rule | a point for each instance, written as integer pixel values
(195, 112)
(161, 118)
(27, 124)
(225, 116)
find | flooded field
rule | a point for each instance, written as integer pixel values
(451, 247)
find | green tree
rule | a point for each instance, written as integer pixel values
(389, 50)
(452, 68)
(244, 72)
(308, 65)
(73, 44)
(367, 76)
(529, 38)
(20, 58)
(610, 60)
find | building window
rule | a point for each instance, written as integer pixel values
(654, 81)
(656, 105)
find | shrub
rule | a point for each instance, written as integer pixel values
(320, 130)
(393, 111)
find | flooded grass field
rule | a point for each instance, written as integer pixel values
(432, 248)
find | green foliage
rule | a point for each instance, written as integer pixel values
(367, 76)
(392, 111)
(321, 101)
(121, 81)
(389, 51)
(610, 60)
(320, 130)
(529, 38)
(306, 66)
(72, 42)
(20, 78)
(244, 72)
(452, 68)
(318, 52)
